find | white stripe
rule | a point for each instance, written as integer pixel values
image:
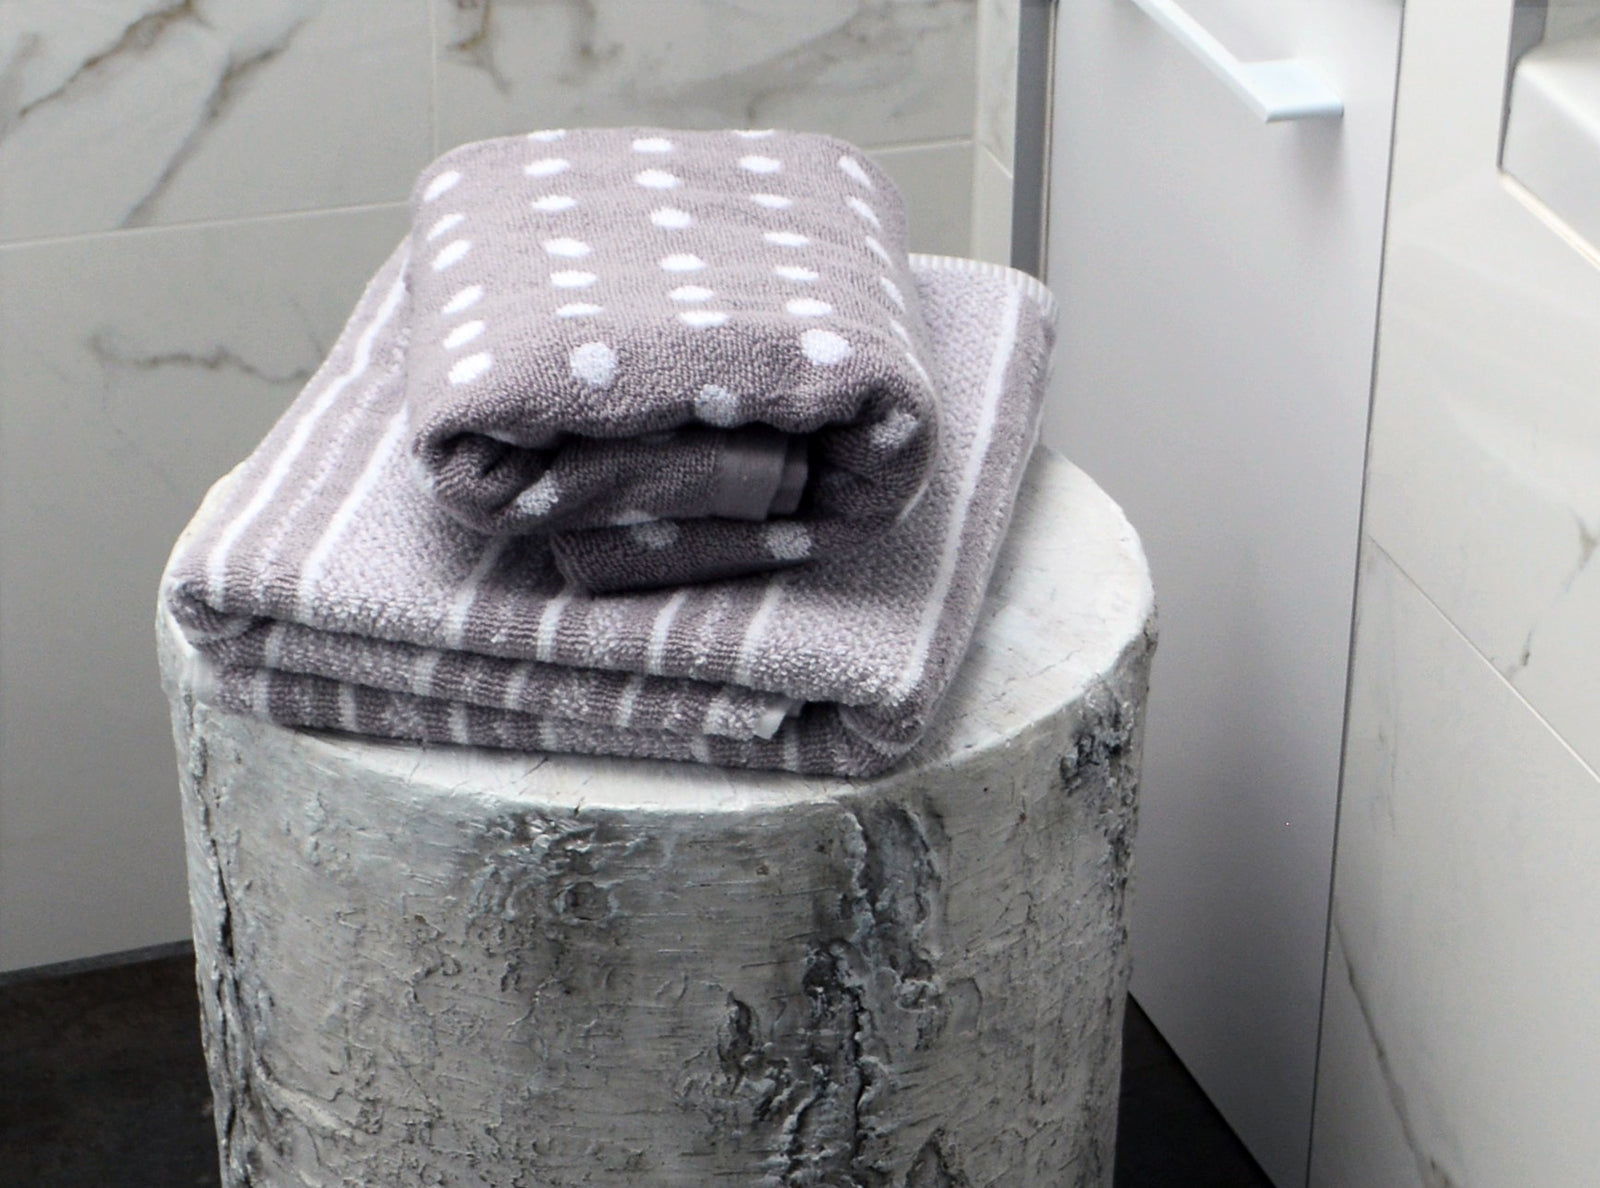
(272, 653)
(656, 654)
(994, 389)
(458, 724)
(715, 713)
(625, 703)
(791, 746)
(261, 693)
(755, 633)
(514, 687)
(422, 675)
(347, 709)
(700, 749)
(549, 622)
(217, 570)
(547, 735)
(339, 523)
(455, 623)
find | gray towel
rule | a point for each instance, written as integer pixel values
(683, 355)
(323, 588)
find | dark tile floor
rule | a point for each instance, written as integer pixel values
(102, 1084)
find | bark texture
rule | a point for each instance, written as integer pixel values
(433, 966)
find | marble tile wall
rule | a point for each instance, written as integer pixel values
(1460, 1016)
(1460, 1022)
(992, 165)
(191, 195)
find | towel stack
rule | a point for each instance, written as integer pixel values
(644, 442)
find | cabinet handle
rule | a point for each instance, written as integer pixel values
(1285, 89)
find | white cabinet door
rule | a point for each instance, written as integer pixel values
(1219, 283)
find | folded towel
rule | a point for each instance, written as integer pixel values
(323, 588)
(686, 355)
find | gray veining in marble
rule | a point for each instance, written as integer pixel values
(1430, 1171)
(878, 72)
(1459, 1020)
(148, 112)
(134, 368)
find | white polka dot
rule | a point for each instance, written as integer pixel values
(464, 299)
(470, 368)
(447, 223)
(786, 238)
(682, 262)
(594, 363)
(808, 307)
(553, 203)
(853, 170)
(655, 535)
(546, 135)
(689, 293)
(570, 249)
(878, 250)
(672, 220)
(905, 335)
(656, 179)
(787, 540)
(715, 405)
(753, 133)
(451, 253)
(573, 279)
(772, 201)
(462, 334)
(916, 365)
(703, 319)
(862, 209)
(652, 144)
(894, 430)
(793, 272)
(755, 164)
(579, 309)
(824, 347)
(440, 184)
(547, 167)
(893, 290)
(538, 499)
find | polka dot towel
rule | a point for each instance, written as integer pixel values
(681, 355)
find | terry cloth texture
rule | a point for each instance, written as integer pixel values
(322, 588)
(683, 355)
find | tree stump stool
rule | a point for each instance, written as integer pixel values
(449, 966)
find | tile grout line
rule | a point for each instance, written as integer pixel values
(282, 216)
(397, 203)
(1590, 768)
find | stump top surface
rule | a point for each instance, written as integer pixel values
(1069, 602)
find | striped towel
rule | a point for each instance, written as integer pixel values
(322, 588)
(681, 355)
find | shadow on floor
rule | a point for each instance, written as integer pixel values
(1169, 1135)
(102, 1083)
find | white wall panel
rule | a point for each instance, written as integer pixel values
(1219, 281)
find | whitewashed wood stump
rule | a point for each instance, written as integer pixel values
(445, 966)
